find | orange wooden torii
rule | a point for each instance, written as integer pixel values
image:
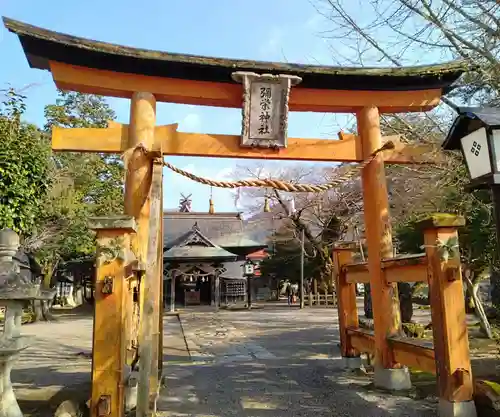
(145, 77)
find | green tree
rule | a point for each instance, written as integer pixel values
(86, 184)
(24, 167)
(477, 238)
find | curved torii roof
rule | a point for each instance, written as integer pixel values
(70, 58)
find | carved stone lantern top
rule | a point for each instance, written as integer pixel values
(13, 286)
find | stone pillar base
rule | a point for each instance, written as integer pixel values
(351, 363)
(459, 409)
(131, 391)
(392, 379)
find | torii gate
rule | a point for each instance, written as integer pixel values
(146, 77)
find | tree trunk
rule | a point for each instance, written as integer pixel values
(495, 287)
(36, 306)
(405, 301)
(367, 301)
(470, 307)
(472, 289)
(46, 306)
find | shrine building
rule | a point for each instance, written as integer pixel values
(197, 246)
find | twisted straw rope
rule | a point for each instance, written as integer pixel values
(268, 183)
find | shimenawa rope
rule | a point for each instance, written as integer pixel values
(269, 183)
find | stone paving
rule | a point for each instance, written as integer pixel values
(56, 366)
(273, 362)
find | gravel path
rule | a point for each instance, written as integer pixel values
(55, 367)
(273, 362)
(270, 363)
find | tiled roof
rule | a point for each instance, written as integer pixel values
(198, 252)
(238, 240)
(195, 245)
(213, 226)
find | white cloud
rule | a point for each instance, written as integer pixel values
(225, 174)
(313, 22)
(273, 42)
(189, 168)
(191, 122)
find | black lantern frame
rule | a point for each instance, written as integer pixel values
(472, 120)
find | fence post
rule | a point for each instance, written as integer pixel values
(346, 303)
(449, 321)
(109, 344)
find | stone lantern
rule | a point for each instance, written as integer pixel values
(15, 294)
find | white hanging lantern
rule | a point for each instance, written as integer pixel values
(476, 131)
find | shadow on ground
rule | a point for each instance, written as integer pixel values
(304, 377)
(42, 399)
(285, 362)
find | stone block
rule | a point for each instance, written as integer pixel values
(392, 379)
(459, 409)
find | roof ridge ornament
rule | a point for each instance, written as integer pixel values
(265, 108)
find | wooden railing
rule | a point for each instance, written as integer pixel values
(320, 299)
(448, 355)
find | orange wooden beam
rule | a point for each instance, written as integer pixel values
(411, 268)
(114, 139)
(415, 354)
(346, 298)
(115, 84)
(362, 340)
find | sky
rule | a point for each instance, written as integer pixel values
(273, 30)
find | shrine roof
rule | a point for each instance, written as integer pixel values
(42, 46)
(213, 226)
(238, 240)
(197, 252)
(194, 245)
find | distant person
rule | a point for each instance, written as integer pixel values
(289, 293)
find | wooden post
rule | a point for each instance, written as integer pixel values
(346, 301)
(449, 321)
(172, 293)
(149, 341)
(302, 242)
(160, 284)
(156, 216)
(140, 168)
(137, 203)
(109, 354)
(217, 290)
(386, 314)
